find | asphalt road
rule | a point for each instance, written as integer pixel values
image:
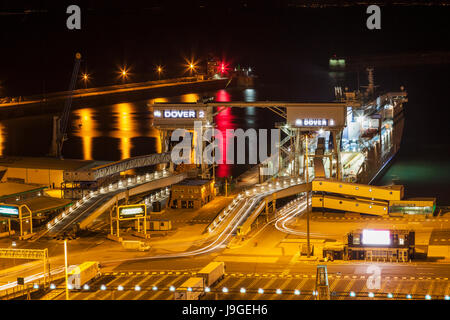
(157, 286)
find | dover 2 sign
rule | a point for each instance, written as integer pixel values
(132, 211)
(179, 114)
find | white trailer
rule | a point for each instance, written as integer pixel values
(83, 273)
(191, 289)
(135, 245)
(212, 273)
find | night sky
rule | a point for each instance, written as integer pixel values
(275, 38)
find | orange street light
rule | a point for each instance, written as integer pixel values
(159, 70)
(191, 66)
(85, 78)
(124, 73)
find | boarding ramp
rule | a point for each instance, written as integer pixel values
(387, 193)
(84, 212)
(352, 205)
(319, 169)
(152, 185)
(113, 168)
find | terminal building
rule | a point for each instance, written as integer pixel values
(49, 172)
(192, 194)
(373, 245)
(30, 198)
(381, 245)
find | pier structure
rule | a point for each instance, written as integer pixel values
(301, 120)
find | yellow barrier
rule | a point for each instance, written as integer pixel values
(351, 205)
(359, 190)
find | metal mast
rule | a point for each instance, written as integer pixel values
(60, 122)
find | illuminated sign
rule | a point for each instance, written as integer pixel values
(376, 237)
(9, 211)
(314, 122)
(132, 211)
(179, 114)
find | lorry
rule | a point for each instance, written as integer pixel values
(191, 289)
(83, 273)
(212, 273)
(135, 245)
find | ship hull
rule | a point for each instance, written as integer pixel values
(378, 162)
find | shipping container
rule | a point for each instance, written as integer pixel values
(212, 273)
(83, 273)
(191, 289)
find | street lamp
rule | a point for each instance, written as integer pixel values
(159, 70)
(191, 66)
(85, 78)
(124, 73)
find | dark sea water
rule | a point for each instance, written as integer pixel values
(124, 130)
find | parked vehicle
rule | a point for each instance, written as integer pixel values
(212, 273)
(135, 245)
(191, 289)
(83, 273)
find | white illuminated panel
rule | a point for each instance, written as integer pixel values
(376, 237)
(9, 211)
(131, 211)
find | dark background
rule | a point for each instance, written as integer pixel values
(277, 38)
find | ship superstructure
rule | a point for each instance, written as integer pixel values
(374, 130)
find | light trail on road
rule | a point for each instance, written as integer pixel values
(246, 205)
(32, 278)
(295, 208)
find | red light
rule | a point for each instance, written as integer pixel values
(222, 67)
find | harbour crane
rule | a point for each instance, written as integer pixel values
(60, 122)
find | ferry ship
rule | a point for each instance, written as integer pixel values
(374, 130)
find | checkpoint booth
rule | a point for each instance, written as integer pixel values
(16, 214)
(136, 213)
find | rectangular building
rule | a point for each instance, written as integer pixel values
(384, 245)
(191, 194)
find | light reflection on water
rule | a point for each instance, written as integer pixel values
(124, 130)
(2, 138)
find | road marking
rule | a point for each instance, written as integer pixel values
(282, 287)
(53, 294)
(138, 284)
(398, 288)
(447, 290)
(160, 292)
(153, 284)
(333, 284)
(347, 288)
(430, 289)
